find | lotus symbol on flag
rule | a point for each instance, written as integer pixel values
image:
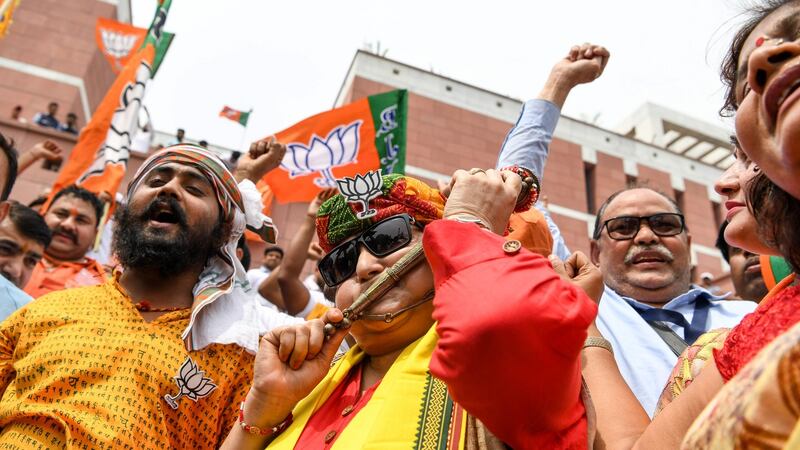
(339, 148)
(117, 44)
(191, 382)
(362, 188)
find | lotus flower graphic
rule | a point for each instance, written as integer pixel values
(191, 384)
(339, 148)
(362, 188)
(118, 45)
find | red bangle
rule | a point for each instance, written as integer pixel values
(274, 431)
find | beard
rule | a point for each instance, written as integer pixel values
(135, 246)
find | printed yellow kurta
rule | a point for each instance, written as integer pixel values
(81, 368)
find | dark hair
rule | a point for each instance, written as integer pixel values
(242, 244)
(722, 244)
(38, 202)
(604, 206)
(777, 214)
(52, 104)
(81, 194)
(30, 223)
(273, 248)
(72, 114)
(730, 63)
(7, 146)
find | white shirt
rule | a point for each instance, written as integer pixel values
(255, 277)
(644, 359)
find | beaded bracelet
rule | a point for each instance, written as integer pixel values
(529, 192)
(274, 431)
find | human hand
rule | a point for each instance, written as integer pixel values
(579, 270)
(315, 204)
(48, 150)
(488, 195)
(290, 362)
(315, 252)
(583, 64)
(264, 155)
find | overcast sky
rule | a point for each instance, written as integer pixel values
(287, 59)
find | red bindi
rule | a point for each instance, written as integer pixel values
(760, 41)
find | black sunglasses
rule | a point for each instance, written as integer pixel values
(381, 239)
(624, 228)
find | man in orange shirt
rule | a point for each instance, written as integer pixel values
(73, 217)
(160, 355)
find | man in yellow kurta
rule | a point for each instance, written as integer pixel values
(160, 355)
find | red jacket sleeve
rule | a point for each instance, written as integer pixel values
(510, 336)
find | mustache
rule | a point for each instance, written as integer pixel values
(68, 233)
(657, 248)
(172, 205)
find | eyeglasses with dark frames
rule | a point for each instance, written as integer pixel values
(624, 228)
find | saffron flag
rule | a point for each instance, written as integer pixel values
(6, 14)
(118, 41)
(99, 159)
(235, 115)
(354, 139)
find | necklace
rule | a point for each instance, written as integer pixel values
(144, 306)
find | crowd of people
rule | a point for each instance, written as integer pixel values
(48, 119)
(486, 332)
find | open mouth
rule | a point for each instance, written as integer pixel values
(164, 215)
(648, 258)
(781, 92)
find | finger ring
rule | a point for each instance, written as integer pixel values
(474, 171)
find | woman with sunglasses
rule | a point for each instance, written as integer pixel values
(423, 371)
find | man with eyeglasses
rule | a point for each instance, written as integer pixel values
(649, 310)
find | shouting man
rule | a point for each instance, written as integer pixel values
(161, 354)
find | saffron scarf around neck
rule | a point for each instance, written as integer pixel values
(409, 409)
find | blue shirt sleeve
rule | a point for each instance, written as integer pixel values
(527, 145)
(11, 298)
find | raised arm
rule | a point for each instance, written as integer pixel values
(528, 143)
(295, 295)
(48, 150)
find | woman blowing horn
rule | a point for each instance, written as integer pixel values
(500, 342)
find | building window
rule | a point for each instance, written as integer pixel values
(716, 211)
(679, 199)
(590, 180)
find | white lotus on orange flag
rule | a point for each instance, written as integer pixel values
(118, 41)
(99, 159)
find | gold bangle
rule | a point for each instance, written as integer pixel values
(596, 341)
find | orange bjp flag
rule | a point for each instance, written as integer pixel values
(99, 159)
(118, 41)
(354, 139)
